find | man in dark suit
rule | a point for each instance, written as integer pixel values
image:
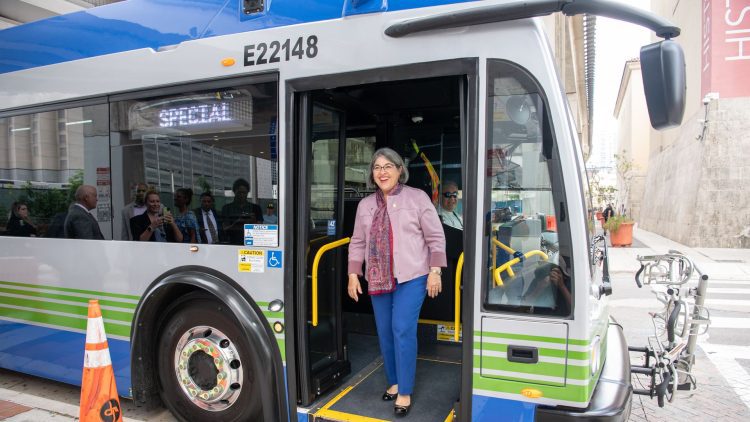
(209, 223)
(79, 223)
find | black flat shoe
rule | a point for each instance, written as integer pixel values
(388, 396)
(401, 410)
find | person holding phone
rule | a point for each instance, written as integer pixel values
(155, 225)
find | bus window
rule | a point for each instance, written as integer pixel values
(49, 155)
(211, 155)
(528, 270)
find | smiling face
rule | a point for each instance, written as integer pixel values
(386, 174)
(450, 197)
(153, 202)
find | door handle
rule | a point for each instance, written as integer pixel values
(522, 354)
(323, 249)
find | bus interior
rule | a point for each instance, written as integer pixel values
(341, 368)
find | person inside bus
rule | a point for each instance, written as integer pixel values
(448, 214)
(398, 236)
(209, 224)
(137, 207)
(271, 217)
(80, 223)
(549, 290)
(155, 225)
(184, 216)
(19, 223)
(239, 212)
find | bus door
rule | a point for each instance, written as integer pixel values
(339, 129)
(322, 358)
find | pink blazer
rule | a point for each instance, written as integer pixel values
(418, 238)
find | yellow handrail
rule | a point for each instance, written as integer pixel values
(514, 261)
(459, 269)
(323, 249)
(506, 248)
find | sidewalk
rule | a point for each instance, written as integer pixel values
(721, 367)
(721, 263)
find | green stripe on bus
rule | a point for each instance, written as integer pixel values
(571, 393)
(62, 321)
(278, 315)
(102, 302)
(533, 338)
(539, 368)
(93, 293)
(554, 353)
(282, 348)
(65, 308)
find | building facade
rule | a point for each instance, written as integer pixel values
(694, 184)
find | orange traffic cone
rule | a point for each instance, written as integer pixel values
(99, 400)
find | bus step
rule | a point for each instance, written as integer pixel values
(640, 370)
(641, 392)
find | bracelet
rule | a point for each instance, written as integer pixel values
(438, 272)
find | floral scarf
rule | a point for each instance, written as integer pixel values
(380, 257)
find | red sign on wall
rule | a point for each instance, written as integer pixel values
(725, 48)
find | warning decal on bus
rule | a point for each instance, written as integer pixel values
(262, 235)
(251, 261)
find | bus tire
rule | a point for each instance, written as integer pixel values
(204, 363)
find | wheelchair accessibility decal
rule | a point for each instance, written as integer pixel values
(274, 259)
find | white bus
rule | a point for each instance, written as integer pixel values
(285, 101)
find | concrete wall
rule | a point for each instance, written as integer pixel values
(697, 191)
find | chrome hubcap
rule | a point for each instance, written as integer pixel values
(208, 368)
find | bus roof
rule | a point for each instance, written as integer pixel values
(155, 24)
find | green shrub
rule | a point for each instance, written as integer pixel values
(615, 221)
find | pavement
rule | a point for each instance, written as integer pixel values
(722, 360)
(722, 365)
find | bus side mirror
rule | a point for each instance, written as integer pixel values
(663, 70)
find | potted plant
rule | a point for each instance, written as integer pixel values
(620, 229)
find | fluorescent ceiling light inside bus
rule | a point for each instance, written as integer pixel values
(80, 122)
(20, 129)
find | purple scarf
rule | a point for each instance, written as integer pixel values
(380, 257)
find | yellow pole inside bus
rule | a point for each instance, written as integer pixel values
(323, 249)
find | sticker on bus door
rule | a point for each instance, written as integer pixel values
(262, 235)
(251, 261)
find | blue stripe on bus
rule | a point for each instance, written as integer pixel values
(57, 354)
(135, 24)
(485, 408)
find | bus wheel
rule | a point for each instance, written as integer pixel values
(205, 370)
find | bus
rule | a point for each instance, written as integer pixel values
(283, 103)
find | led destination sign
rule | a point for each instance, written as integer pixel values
(195, 115)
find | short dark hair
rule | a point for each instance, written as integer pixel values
(207, 194)
(240, 182)
(187, 192)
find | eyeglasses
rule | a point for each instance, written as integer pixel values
(450, 195)
(388, 167)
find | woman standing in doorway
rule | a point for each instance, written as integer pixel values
(398, 235)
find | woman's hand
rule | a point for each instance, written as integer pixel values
(434, 283)
(354, 287)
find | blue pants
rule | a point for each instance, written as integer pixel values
(396, 316)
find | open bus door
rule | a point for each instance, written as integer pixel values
(322, 359)
(339, 129)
